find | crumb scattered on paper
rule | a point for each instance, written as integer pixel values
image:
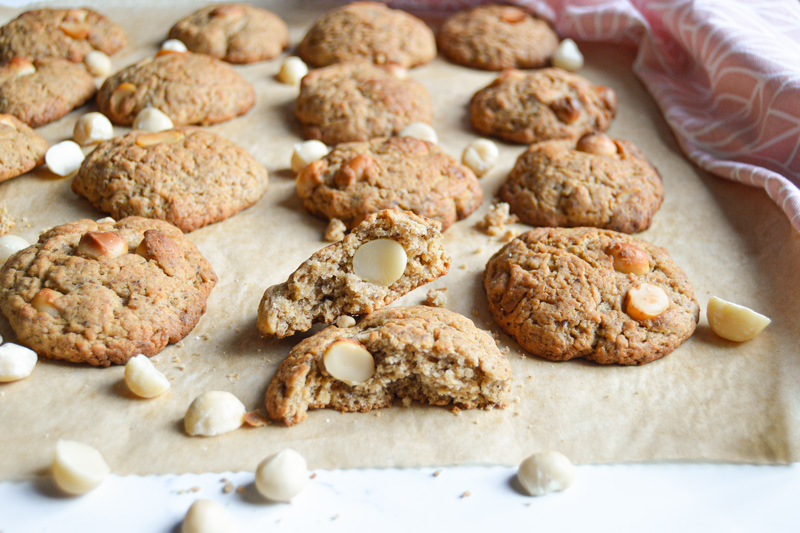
(494, 223)
(335, 230)
(436, 297)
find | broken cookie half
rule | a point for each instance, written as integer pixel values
(386, 256)
(421, 353)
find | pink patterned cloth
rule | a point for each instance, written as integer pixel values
(725, 74)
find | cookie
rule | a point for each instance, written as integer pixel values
(187, 176)
(102, 292)
(59, 33)
(347, 278)
(44, 90)
(189, 88)
(356, 179)
(497, 37)
(21, 148)
(541, 105)
(357, 102)
(565, 293)
(368, 31)
(236, 33)
(598, 181)
(427, 354)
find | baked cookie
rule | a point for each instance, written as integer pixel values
(598, 181)
(368, 31)
(44, 90)
(565, 293)
(496, 37)
(388, 255)
(358, 101)
(356, 179)
(236, 33)
(544, 104)
(189, 88)
(102, 292)
(187, 176)
(59, 33)
(427, 354)
(21, 148)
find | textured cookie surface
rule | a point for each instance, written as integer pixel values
(368, 31)
(44, 90)
(356, 179)
(326, 285)
(190, 88)
(358, 101)
(237, 33)
(63, 33)
(556, 291)
(105, 310)
(189, 177)
(555, 183)
(427, 354)
(496, 37)
(545, 104)
(21, 148)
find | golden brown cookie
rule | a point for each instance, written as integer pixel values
(102, 292)
(21, 148)
(598, 181)
(41, 91)
(368, 31)
(187, 176)
(427, 354)
(565, 293)
(541, 105)
(338, 280)
(356, 179)
(496, 37)
(236, 33)
(190, 88)
(59, 33)
(358, 101)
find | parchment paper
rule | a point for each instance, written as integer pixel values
(710, 400)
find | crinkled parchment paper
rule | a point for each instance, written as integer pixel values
(709, 400)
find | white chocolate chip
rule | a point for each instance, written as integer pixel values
(143, 379)
(214, 413)
(480, 156)
(545, 472)
(207, 516)
(97, 244)
(98, 64)
(78, 468)
(16, 362)
(92, 128)
(420, 130)
(349, 361)
(292, 71)
(568, 56)
(381, 261)
(282, 476)
(9, 245)
(307, 152)
(173, 45)
(345, 321)
(646, 301)
(152, 120)
(734, 322)
(64, 158)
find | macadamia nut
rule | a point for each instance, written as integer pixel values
(64, 158)
(480, 156)
(349, 361)
(568, 56)
(646, 301)
(92, 128)
(306, 153)
(292, 71)
(207, 516)
(97, 244)
(98, 64)
(282, 476)
(78, 468)
(420, 130)
(545, 472)
(152, 120)
(16, 362)
(9, 245)
(734, 322)
(143, 379)
(173, 45)
(381, 261)
(214, 413)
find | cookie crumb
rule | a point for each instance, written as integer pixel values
(437, 473)
(509, 235)
(241, 489)
(228, 487)
(335, 230)
(465, 494)
(494, 223)
(436, 298)
(313, 475)
(335, 517)
(345, 321)
(255, 419)
(6, 222)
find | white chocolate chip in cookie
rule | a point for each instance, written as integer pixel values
(46, 301)
(214, 413)
(21, 66)
(307, 152)
(97, 244)
(92, 128)
(420, 130)
(174, 45)
(152, 120)
(646, 301)
(78, 468)
(568, 56)
(292, 71)
(480, 156)
(282, 476)
(545, 472)
(734, 322)
(64, 158)
(345, 321)
(98, 64)
(349, 362)
(143, 379)
(207, 516)
(16, 362)
(381, 261)
(629, 258)
(9, 245)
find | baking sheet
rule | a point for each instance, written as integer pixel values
(709, 400)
